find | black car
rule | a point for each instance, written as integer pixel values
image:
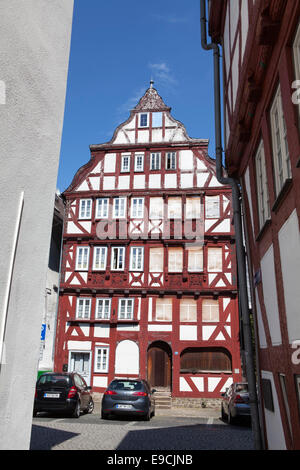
(128, 397)
(63, 392)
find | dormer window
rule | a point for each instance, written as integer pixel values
(143, 120)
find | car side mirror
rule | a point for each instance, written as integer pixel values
(153, 390)
(223, 394)
(88, 387)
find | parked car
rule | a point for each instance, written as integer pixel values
(63, 392)
(128, 397)
(235, 403)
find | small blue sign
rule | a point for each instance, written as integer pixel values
(43, 332)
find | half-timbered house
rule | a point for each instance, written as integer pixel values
(148, 284)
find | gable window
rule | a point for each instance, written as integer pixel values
(193, 208)
(156, 208)
(85, 209)
(155, 161)
(119, 208)
(100, 256)
(82, 258)
(262, 186)
(118, 258)
(139, 162)
(156, 260)
(103, 309)
(163, 310)
(171, 161)
(137, 208)
(83, 309)
(281, 157)
(214, 259)
(125, 163)
(136, 258)
(174, 207)
(102, 208)
(143, 120)
(175, 260)
(157, 119)
(126, 309)
(195, 259)
(212, 207)
(210, 310)
(101, 359)
(188, 310)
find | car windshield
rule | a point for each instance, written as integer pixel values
(241, 388)
(57, 379)
(127, 385)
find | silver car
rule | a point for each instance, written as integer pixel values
(235, 403)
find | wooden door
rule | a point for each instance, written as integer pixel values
(159, 368)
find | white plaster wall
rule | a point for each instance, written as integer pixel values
(127, 358)
(35, 41)
(275, 434)
(289, 243)
(270, 295)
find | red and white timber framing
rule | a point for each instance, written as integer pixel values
(261, 69)
(157, 304)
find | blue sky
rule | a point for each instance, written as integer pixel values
(116, 47)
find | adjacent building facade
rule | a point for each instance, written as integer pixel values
(261, 72)
(148, 282)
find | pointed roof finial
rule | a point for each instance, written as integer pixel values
(151, 83)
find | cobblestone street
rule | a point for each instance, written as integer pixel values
(168, 430)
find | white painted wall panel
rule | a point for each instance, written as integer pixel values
(276, 440)
(127, 358)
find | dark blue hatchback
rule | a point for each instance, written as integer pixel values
(128, 397)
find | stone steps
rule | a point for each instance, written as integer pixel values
(163, 399)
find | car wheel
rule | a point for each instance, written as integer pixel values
(104, 415)
(76, 412)
(90, 407)
(229, 418)
(223, 414)
(34, 413)
(147, 416)
(153, 412)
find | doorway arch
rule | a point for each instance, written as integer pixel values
(159, 365)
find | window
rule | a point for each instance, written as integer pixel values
(262, 186)
(296, 51)
(137, 208)
(285, 400)
(100, 256)
(195, 258)
(210, 310)
(174, 207)
(171, 161)
(163, 310)
(175, 262)
(82, 258)
(144, 120)
(156, 208)
(85, 209)
(125, 163)
(136, 258)
(214, 259)
(188, 310)
(157, 119)
(103, 309)
(101, 359)
(156, 260)
(267, 394)
(102, 208)
(119, 208)
(193, 360)
(139, 162)
(155, 161)
(126, 309)
(83, 309)
(212, 207)
(193, 208)
(281, 158)
(118, 258)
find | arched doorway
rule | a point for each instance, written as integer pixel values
(159, 365)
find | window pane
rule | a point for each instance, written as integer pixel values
(156, 261)
(163, 310)
(188, 310)
(210, 310)
(175, 262)
(214, 259)
(195, 259)
(193, 208)
(156, 208)
(212, 207)
(174, 207)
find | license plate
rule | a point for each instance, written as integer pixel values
(125, 407)
(51, 395)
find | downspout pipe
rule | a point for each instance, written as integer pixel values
(237, 219)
